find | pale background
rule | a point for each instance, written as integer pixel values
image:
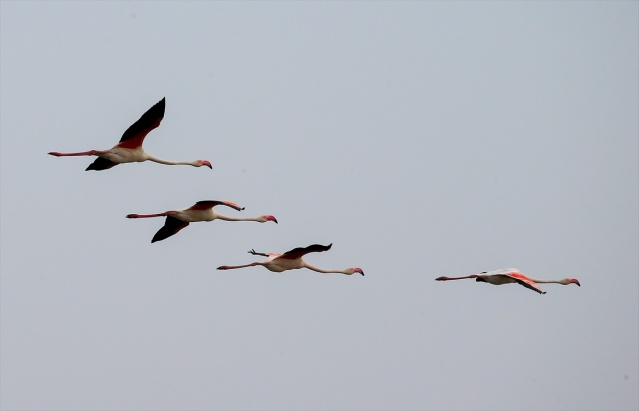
(420, 138)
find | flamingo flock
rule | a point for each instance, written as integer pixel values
(129, 150)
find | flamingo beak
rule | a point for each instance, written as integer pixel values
(576, 282)
(272, 218)
(208, 164)
(359, 270)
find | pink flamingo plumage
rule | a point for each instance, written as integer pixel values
(129, 149)
(200, 211)
(509, 276)
(292, 260)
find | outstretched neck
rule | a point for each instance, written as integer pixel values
(172, 163)
(564, 281)
(321, 270)
(548, 281)
(229, 218)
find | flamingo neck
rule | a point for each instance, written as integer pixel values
(171, 163)
(321, 270)
(547, 281)
(229, 218)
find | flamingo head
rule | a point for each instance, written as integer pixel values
(567, 281)
(354, 270)
(200, 163)
(265, 218)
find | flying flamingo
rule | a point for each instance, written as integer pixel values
(292, 260)
(511, 275)
(129, 149)
(200, 211)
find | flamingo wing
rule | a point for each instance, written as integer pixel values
(134, 135)
(171, 226)
(206, 204)
(301, 251)
(100, 164)
(525, 281)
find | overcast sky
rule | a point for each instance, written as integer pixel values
(421, 139)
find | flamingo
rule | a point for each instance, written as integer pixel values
(292, 260)
(200, 211)
(511, 275)
(129, 149)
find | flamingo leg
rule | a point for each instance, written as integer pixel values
(455, 278)
(232, 267)
(256, 253)
(82, 153)
(145, 215)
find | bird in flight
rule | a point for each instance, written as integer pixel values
(511, 275)
(200, 211)
(292, 260)
(129, 149)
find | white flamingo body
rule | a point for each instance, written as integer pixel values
(194, 216)
(129, 149)
(200, 211)
(292, 260)
(278, 265)
(122, 155)
(510, 276)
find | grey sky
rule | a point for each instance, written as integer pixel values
(420, 138)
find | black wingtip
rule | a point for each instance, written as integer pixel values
(100, 163)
